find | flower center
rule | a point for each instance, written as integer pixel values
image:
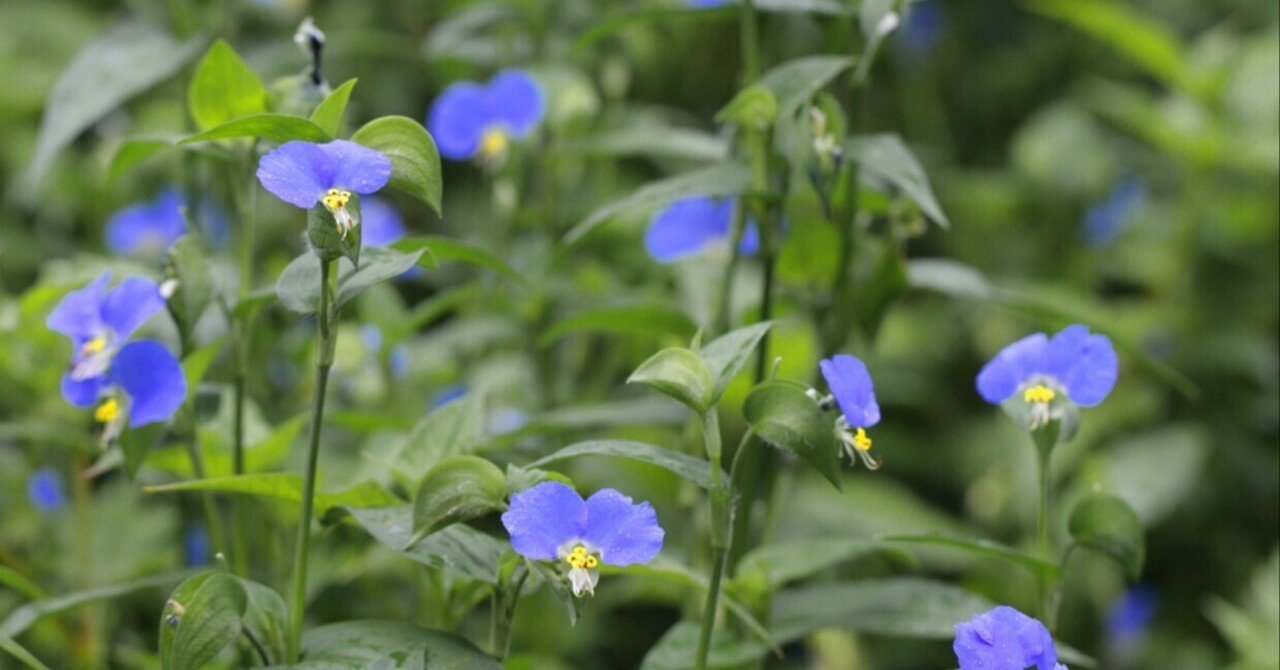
(335, 199)
(94, 346)
(1039, 393)
(107, 412)
(336, 202)
(494, 141)
(861, 441)
(581, 560)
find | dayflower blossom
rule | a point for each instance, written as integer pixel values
(703, 4)
(304, 174)
(480, 120)
(1005, 639)
(1104, 222)
(923, 26)
(45, 490)
(382, 224)
(854, 393)
(551, 522)
(197, 548)
(1130, 616)
(149, 228)
(1075, 363)
(690, 225)
(131, 382)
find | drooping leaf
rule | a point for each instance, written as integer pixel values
(356, 644)
(1108, 525)
(678, 373)
(887, 157)
(224, 89)
(201, 617)
(456, 489)
(782, 414)
(980, 547)
(682, 465)
(273, 127)
(328, 114)
(458, 548)
(415, 162)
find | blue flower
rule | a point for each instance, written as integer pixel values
(1076, 363)
(551, 522)
(704, 4)
(147, 228)
(1131, 614)
(197, 549)
(382, 223)
(447, 395)
(479, 120)
(132, 383)
(923, 26)
(690, 225)
(1104, 222)
(851, 386)
(1005, 639)
(304, 174)
(44, 490)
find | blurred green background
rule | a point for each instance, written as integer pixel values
(1111, 163)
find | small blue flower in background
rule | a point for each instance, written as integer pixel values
(1076, 363)
(304, 174)
(851, 386)
(690, 225)
(1005, 639)
(44, 490)
(1130, 616)
(397, 358)
(1104, 222)
(382, 224)
(479, 120)
(551, 522)
(504, 420)
(197, 549)
(149, 228)
(132, 383)
(371, 335)
(447, 395)
(923, 26)
(702, 4)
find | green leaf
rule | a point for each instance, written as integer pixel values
(196, 364)
(355, 644)
(136, 443)
(887, 157)
(1156, 472)
(286, 486)
(981, 547)
(187, 261)
(677, 648)
(415, 162)
(902, 607)
(456, 489)
(1108, 525)
(647, 319)
(678, 373)
(20, 619)
(726, 355)
(653, 140)
(326, 242)
(786, 417)
(442, 248)
(201, 617)
(273, 127)
(753, 107)
(299, 284)
(9, 646)
(795, 82)
(132, 152)
(123, 61)
(458, 548)
(223, 88)
(774, 565)
(682, 465)
(453, 429)
(559, 587)
(328, 114)
(716, 180)
(266, 618)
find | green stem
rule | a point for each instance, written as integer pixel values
(247, 209)
(750, 41)
(326, 339)
(709, 610)
(724, 311)
(720, 526)
(1042, 534)
(211, 518)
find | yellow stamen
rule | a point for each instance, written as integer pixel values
(493, 142)
(579, 558)
(861, 441)
(592, 562)
(1038, 394)
(335, 199)
(108, 411)
(94, 346)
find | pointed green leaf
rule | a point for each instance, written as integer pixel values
(726, 354)
(678, 373)
(888, 157)
(273, 127)
(415, 162)
(786, 417)
(458, 548)
(692, 469)
(200, 618)
(440, 248)
(224, 89)
(456, 489)
(357, 644)
(328, 114)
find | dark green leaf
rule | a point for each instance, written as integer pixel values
(136, 443)
(200, 618)
(415, 162)
(981, 547)
(327, 243)
(678, 373)
(904, 607)
(453, 429)
(782, 414)
(9, 646)
(795, 82)
(887, 157)
(266, 618)
(299, 284)
(456, 489)
(224, 89)
(273, 127)
(23, 617)
(649, 320)
(356, 644)
(1107, 524)
(726, 355)
(328, 114)
(458, 548)
(449, 249)
(682, 465)
(775, 565)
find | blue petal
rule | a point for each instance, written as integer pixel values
(130, 304)
(298, 173)
(147, 228)
(702, 4)
(543, 518)
(686, 226)
(514, 99)
(79, 315)
(624, 533)
(1131, 614)
(456, 120)
(82, 393)
(1105, 221)
(196, 546)
(447, 395)
(1016, 363)
(380, 223)
(1086, 364)
(923, 27)
(1004, 639)
(44, 490)
(850, 383)
(371, 335)
(357, 168)
(153, 379)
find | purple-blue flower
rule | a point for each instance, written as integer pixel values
(479, 120)
(45, 490)
(131, 382)
(923, 26)
(854, 393)
(1005, 639)
(551, 522)
(447, 395)
(149, 228)
(197, 548)
(1082, 366)
(688, 226)
(703, 4)
(305, 174)
(382, 224)
(1130, 615)
(1104, 222)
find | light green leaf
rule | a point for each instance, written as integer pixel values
(123, 61)
(717, 180)
(200, 618)
(458, 548)
(782, 414)
(980, 547)
(903, 607)
(678, 373)
(795, 82)
(187, 261)
(456, 489)
(415, 162)
(775, 565)
(355, 644)
(887, 157)
(682, 465)
(23, 617)
(299, 284)
(132, 152)
(726, 354)
(273, 127)
(647, 319)
(223, 88)
(442, 248)
(197, 363)
(1156, 472)
(453, 429)
(285, 486)
(328, 114)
